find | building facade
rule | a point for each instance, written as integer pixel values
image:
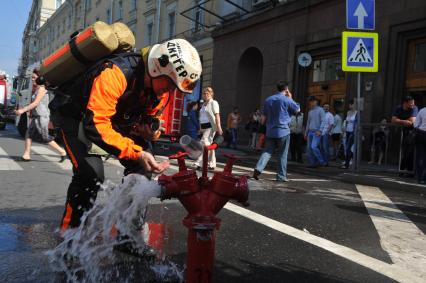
(152, 21)
(40, 12)
(253, 53)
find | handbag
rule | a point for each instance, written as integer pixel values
(206, 126)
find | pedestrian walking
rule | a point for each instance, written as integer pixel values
(253, 125)
(39, 115)
(405, 115)
(316, 116)
(261, 136)
(296, 137)
(192, 123)
(277, 111)
(336, 135)
(420, 126)
(210, 124)
(350, 126)
(234, 119)
(326, 128)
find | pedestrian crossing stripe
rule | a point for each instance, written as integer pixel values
(360, 52)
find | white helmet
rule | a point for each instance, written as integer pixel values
(178, 60)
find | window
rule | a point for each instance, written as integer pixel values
(118, 13)
(63, 26)
(149, 33)
(108, 16)
(327, 69)
(25, 84)
(133, 28)
(58, 3)
(198, 18)
(88, 5)
(69, 20)
(420, 57)
(133, 5)
(171, 24)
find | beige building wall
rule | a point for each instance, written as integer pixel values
(40, 12)
(142, 18)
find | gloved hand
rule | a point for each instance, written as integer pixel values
(151, 165)
(146, 131)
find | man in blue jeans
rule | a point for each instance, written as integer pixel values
(316, 118)
(277, 113)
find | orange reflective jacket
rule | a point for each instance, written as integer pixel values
(106, 91)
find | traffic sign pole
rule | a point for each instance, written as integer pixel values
(358, 130)
(360, 53)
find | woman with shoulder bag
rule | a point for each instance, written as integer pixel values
(209, 125)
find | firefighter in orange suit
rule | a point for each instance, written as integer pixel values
(121, 116)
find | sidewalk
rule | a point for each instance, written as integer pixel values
(369, 175)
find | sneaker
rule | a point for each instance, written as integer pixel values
(283, 180)
(256, 174)
(344, 167)
(211, 168)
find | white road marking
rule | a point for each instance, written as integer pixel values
(51, 156)
(389, 179)
(392, 271)
(399, 237)
(7, 163)
(309, 180)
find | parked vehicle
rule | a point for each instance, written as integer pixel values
(2, 122)
(3, 91)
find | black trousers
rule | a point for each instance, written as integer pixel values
(88, 174)
(296, 147)
(350, 140)
(408, 146)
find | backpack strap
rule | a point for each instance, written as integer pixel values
(132, 66)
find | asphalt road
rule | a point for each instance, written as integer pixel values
(310, 229)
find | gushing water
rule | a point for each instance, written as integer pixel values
(87, 252)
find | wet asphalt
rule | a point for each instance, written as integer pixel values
(31, 205)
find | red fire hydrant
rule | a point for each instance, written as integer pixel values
(203, 199)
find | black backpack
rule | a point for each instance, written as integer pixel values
(71, 98)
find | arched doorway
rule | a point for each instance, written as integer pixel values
(249, 82)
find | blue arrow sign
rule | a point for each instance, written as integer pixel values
(360, 14)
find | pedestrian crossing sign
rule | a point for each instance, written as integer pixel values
(360, 51)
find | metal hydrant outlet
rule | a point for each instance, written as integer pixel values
(203, 198)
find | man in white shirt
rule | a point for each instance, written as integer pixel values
(420, 126)
(326, 128)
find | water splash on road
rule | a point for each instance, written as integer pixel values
(87, 253)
